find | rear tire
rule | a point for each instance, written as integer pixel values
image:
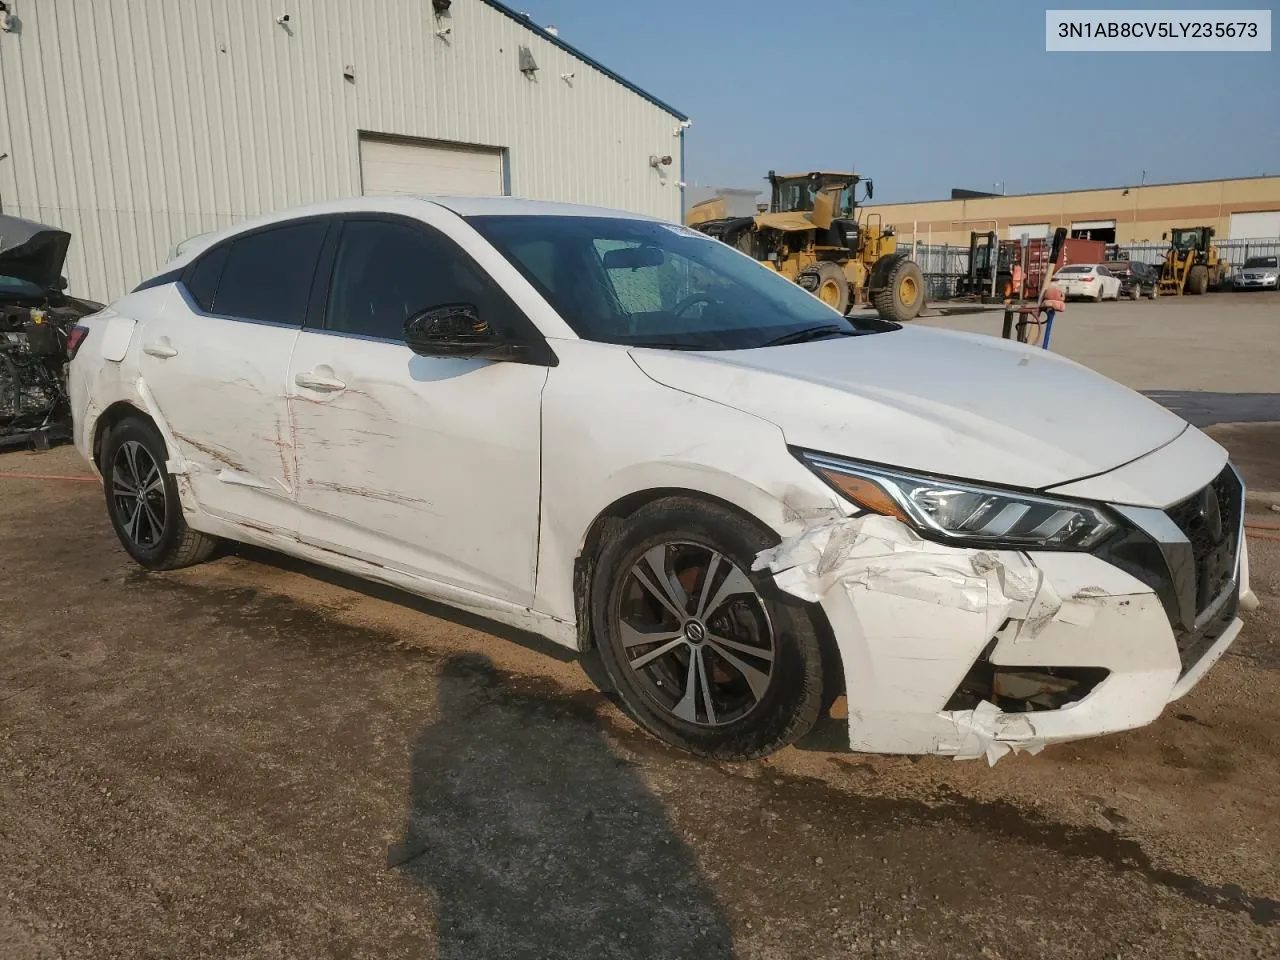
(142, 499)
(1198, 280)
(902, 297)
(716, 709)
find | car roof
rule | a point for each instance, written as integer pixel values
(192, 247)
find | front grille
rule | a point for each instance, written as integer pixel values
(1210, 519)
(1194, 644)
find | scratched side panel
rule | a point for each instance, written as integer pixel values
(428, 465)
(221, 398)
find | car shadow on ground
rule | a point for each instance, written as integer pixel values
(535, 839)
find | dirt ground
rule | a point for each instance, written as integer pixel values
(258, 758)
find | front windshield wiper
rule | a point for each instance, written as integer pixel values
(809, 333)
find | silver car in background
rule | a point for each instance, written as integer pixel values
(1259, 273)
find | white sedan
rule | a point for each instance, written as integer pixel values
(617, 432)
(1089, 281)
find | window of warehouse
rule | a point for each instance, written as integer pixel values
(396, 165)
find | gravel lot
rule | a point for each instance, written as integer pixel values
(257, 758)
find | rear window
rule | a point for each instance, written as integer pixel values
(268, 274)
(1078, 268)
(202, 283)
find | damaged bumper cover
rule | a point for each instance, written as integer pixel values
(973, 653)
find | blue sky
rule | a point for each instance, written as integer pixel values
(945, 93)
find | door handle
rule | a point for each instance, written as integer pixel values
(160, 348)
(312, 381)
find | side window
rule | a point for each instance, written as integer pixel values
(268, 274)
(202, 282)
(385, 272)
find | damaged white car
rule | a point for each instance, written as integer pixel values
(613, 431)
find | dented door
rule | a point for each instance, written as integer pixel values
(214, 365)
(428, 465)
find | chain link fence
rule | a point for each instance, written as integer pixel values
(944, 264)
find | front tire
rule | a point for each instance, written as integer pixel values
(829, 284)
(142, 499)
(902, 297)
(703, 652)
(1198, 280)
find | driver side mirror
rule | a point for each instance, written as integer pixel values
(458, 330)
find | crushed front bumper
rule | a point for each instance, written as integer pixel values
(975, 653)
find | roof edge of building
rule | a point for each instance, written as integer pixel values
(590, 61)
(1059, 193)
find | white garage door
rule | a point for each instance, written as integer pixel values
(1255, 226)
(1034, 231)
(417, 167)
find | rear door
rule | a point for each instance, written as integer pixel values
(426, 465)
(215, 364)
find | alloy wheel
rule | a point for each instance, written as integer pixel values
(695, 633)
(138, 495)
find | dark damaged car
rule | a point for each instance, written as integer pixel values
(36, 320)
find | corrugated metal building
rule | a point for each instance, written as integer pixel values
(136, 124)
(1241, 209)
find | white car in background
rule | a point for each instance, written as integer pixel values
(1088, 281)
(619, 433)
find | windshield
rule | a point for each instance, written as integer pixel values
(647, 283)
(13, 286)
(1262, 262)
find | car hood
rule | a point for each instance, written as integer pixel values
(934, 401)
(32, 251)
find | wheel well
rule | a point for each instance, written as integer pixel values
(108, 419)
(612, 517)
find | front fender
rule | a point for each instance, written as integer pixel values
(640, 436)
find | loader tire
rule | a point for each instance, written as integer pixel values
(1198, 280)
(827, 282)
(902, 297)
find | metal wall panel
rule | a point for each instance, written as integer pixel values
(137, 123)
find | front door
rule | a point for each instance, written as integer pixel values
(426, 465)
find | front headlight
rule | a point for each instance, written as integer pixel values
(965, 513)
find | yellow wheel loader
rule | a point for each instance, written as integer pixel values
(1192, 264)
(811, 234)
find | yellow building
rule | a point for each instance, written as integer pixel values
(1245, 208)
